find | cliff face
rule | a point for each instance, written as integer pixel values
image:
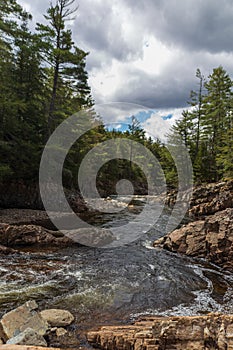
(213, 332)
(211, 198)
(210, 235)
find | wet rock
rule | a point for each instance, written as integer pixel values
(28, 337)
(211, 238)
(213, 331)
(23, 317)
(93, 237)
(57, 317)
(13, 236)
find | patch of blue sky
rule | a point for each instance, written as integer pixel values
(169, 116)
(123, 125)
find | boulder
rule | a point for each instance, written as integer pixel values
(213, 331)
(57, 317)
(23, 317)
(13, 236)
(28, 337)
(211, 238)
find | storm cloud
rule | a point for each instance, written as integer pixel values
(146, 51)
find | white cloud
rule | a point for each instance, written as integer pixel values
(146, 51)
(157, 127)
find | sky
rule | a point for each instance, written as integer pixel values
(146, 52)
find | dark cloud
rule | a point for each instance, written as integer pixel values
(200, 31)
(193, 24)
(99, 25)
(154, 91)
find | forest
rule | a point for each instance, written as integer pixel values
(44, 81)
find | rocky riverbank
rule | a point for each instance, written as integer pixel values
(210, 234)
(213, 332)
(27, 328)
(25, 325)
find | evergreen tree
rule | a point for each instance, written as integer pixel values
(216, 117)
(67, 62)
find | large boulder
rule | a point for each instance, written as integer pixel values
(57, 317)
(21, 318)
(213, 331)
(211, 238)
(13, 236)
(28, 337)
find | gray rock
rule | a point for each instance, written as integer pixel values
(21, 318)
(93, 236)
(28, 337)
(57, 317)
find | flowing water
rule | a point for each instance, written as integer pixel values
(110, 286)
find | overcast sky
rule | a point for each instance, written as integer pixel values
(147, 51)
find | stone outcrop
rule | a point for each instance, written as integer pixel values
(206, 199)
(13, 236)
(213, 332)
(211, 238)
(210, 234)
(57, 317)
(211, 198)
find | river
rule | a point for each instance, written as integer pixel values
(115, 285)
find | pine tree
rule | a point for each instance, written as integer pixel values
(67, 62)
(216, 117)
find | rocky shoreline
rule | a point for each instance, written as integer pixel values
(213, 331)
(210, 234)
(26, 326)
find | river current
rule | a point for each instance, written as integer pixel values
(115, 285)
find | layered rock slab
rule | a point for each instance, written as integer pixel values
(213, 331)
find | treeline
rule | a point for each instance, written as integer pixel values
(43, 81)
(207, 127)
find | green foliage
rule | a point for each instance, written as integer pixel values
(28, 102)
(206, 129)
